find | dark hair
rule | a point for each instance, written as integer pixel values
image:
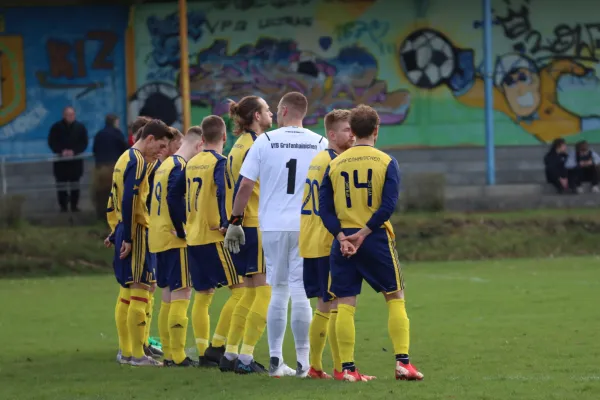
(242, 113)
(110, 119)
(582, 146)
(213, 128)
(297, 102)
(363, 121)
(158, 129)
(335, 116)
(176, 133)
(556, 143)
(137, 125)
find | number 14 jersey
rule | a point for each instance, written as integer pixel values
(279, 160)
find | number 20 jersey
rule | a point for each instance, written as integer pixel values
(315, 240)
(279, 160)
(357, 177)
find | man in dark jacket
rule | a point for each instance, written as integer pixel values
(68, 138)
(554, 161)
(109, 144)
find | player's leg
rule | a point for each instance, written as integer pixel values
(150, 350)
(333, 343)
(276, 248)
(301, 315)
(163, 326)
(180, 289)
(141, 279)
(200, 258)
(385, 275)
(346, 282)
(225, 274)
(316, 284)
(121, 309)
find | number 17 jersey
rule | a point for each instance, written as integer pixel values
(279, 160)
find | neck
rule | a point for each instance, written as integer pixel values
(292, 122)
(186, 152)
(369, 141)
(214, 147)
(139, 145)
(256, 128)
(335, 148)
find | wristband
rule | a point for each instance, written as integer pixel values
(236, 220)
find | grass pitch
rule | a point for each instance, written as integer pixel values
(525, 329)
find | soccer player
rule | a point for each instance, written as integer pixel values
(122, 305)
(210, 263)
(132, 269)
(279, 160)
(358, 195)
(251, 117)
(315, 246)
(171, 149)
(172, 272)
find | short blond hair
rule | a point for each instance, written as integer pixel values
(335, 116)
(213, 128)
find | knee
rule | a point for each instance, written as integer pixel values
(394, 296)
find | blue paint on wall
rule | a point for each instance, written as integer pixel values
(71, 56)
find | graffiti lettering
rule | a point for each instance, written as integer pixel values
(374, 30)
(225, 25)
(244, 5)
(283, 21)
(25, 122)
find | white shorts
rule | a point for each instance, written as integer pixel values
(285, 267)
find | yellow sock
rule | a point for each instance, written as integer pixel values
(335, 349)
(317, 335)
(238, 320)
(201, 320)
(121, 310)
(163, 329)
(149, 310)
(178, 323)
(136, 320)
(346, 334)
(398, 326)
(257, 320)
(224, 322)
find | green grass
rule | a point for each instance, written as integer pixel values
(525, 329)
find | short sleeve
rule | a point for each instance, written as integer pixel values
(251, 165)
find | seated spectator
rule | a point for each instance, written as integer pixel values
(582, 167)
(554, 162)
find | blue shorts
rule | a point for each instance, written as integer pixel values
(211, 267)
(137, 267)
(251, 258)
(172, 269)
(376, 262)
(317, 278)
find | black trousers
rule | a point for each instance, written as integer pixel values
(68, 194)
(585, 174)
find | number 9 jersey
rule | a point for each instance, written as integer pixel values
(315, 240)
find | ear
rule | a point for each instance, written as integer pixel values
(285, 111)
(376, 133)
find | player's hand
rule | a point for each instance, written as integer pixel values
(107, 242)
(234, 238)
(358, 238)
(347, 248)
(174, 232)
(220, 229)
(125, 250)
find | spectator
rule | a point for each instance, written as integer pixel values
(68, 138)
(554, 161)
(109, 144)
(582, 166)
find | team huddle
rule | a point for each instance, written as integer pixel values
(287, 215)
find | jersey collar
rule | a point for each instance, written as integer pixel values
(252, 133)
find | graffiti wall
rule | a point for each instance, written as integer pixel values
(418, 63)
(54, 57)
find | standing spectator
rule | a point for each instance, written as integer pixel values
(554, 161)
(582, 165)
(68, 138)
(109, 144)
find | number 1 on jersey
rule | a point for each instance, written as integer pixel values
(291, 182)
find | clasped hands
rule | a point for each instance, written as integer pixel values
(349, 245)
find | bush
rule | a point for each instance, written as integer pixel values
(11, 211)
(423, 192)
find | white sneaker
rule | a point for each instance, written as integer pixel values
(145, 361)
(121, 359)
(278, 368)
(301, 373)
(595, 189)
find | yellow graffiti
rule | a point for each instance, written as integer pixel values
(12, 78)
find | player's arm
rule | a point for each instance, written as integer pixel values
(132, 179)
(111, 217)
(389, 197)
(176, 199)
(327, 206)
(219, 176)
(248, 176)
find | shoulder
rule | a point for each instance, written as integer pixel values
(219, 157)
(135, 156)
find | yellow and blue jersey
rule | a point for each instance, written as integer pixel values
(152, 168)
(315, 241)
(127, 203)
(164, 204)
(360, 189)
(236, 158)
(204, 185)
